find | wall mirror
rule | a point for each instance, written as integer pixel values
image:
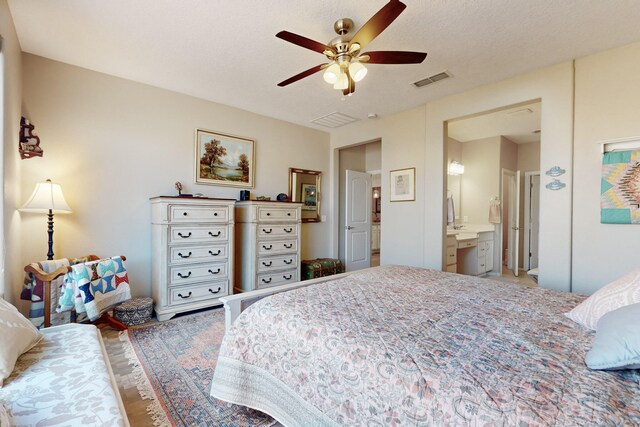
(304, 187)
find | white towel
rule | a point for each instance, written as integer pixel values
(494, 212)
(451, 215)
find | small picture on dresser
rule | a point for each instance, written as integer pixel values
(224, 159)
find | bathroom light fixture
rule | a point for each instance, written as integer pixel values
(456, 168)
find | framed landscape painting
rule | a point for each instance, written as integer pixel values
(224, 159)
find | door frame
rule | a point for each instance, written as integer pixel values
(504, 173)
(528, 176)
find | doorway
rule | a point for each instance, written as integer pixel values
(357, 164)
(497, 156)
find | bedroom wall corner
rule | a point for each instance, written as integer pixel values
(113, 143)
(607, 102)
(11, 274)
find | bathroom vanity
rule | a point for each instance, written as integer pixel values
(471, 249)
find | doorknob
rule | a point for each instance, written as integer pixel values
(348, 227)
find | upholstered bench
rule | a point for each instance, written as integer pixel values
(64, 380)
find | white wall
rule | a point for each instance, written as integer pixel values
(112, 144)
(607, 107)
(373, 156)
(481, 179)
(402, 138)
(10, 263)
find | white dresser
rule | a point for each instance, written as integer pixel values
(192, 253)
(267, 244)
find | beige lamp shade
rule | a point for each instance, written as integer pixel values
(47, 196)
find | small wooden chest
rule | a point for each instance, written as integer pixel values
(321, 267)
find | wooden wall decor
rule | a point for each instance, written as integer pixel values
(29, 144)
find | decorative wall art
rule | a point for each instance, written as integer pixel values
(29, 143)
(224, 159)
(403, 185)
(620, 188)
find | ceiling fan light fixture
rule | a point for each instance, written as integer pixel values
(357, 71)
(332, 73)
(342, 82)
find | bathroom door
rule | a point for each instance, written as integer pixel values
(514, 222)
(357, 242)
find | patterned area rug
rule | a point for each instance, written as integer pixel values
(179, 357)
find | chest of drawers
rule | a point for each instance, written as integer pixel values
(192, 253)
(267, 244)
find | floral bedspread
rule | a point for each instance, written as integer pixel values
(408, 346)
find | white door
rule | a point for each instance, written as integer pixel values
(514, 221)
(357, 242)
(534, 221)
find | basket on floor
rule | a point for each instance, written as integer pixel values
(135, 311)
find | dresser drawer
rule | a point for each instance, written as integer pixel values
(280, 278)
(188, 234)
(178, 213)
(277, 214)
(451, 255)
(277, 262)
(191, 254)
(197, 273)
(188, 294)
(279, 230)
(277, 247)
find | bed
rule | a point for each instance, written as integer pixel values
(408, 346)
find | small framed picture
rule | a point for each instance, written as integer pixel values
(403, 185)
(224, 159)
(309, 197)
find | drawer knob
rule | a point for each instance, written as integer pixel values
(267, 248)
(288, 213)
(215, 292)
(183, 297)
(267, 265)
(289, 246)
(289, 230)
(268, 213)
(287, 277)
(185, 214)
(214, 272)
(184, 256)
(288, 262)
(183, 236)
(184, 277)
(216, 254)
(215, 214)
(267, 231)
(215, 235)
(266, 281)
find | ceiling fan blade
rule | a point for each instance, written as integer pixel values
(303, 41)
(378, 23)
(302, 75)
(394, 57)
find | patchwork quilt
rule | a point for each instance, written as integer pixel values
(404, 346)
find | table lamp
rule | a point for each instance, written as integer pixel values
(47, 198)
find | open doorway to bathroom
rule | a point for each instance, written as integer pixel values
(490, 222)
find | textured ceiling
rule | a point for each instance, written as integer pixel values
(227, 52)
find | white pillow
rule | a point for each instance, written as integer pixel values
(621, 292)
(17, 335)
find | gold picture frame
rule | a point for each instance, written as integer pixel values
(222, 159)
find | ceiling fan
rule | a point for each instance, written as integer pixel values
(344, 52)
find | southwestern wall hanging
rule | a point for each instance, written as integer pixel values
(620, 188)
(224, 159)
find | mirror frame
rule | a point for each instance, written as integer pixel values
(318, 176)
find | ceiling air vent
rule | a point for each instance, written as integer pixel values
(432, 79)
(334, 120)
